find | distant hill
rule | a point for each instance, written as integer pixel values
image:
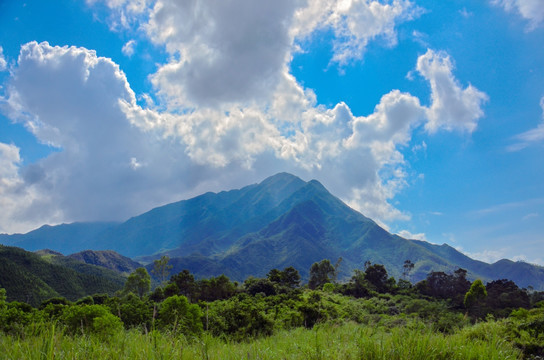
(65, 238)
(33, 278)
(108, 259)
(282, 221)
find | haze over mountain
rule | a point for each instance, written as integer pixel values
(282, 221)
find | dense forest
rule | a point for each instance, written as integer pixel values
(371, 316)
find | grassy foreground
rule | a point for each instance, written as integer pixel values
(328, 341)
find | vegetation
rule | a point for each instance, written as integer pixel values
(32, 278)
(372, 316)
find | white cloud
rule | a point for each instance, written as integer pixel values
(408, 235)
(128, 48)
(488, 256)
(531, 10)
(452, 108)
(20, 203)
(529, 137)
(230, 112)
(3, 62)
(354, 22)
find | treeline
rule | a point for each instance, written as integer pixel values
(184, 306)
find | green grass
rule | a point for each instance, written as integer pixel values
(329, 341)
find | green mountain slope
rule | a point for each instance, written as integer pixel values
(30, 278)
(107, 259)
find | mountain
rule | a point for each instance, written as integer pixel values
(282, 221)
(33, 278)
(107, 259)
(65, 238)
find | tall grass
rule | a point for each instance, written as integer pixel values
(345, 341)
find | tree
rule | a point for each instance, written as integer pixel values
(377, 276)
(443, 286)
(407, 269)
(289, 277)
(320, 274)
(358, 286)
(176, 314)
(254, 286)
(161, 269)
(503, 296)
(186, 284)
(475, 297)
(138, 282)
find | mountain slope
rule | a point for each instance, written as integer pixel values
(107, 259)
(282, 221)
(28, 277)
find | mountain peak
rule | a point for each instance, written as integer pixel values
(281, 178)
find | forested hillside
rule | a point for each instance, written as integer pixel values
(32, 278)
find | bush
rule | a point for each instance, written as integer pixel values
(106, 326)
(80, 318)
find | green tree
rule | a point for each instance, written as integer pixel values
(2, 298)
(289, 277)
(320, 274)
(161, 269)
(177, 314)
(255, 286)
(138, 282)
(186, 284)
(475, 297)
(377, 276)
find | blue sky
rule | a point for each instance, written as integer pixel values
(426, 116)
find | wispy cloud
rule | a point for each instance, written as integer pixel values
(3, 62)
(500, 208)
(530, 137)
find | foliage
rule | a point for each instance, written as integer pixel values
(475, 297)
(321, 273)
(177, 314)
(28, 277)
(445, 286)
(224, 318)
(138, 282)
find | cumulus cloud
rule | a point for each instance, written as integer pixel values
(531, 10)
(223, 52)
(70, 98)
(529, 137)
(355, 23)
(452, 108)
(230, 111)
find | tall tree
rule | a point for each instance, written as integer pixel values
(377, 276)
(161, 269)
(138, 282)
(320, 274)
(475, 297)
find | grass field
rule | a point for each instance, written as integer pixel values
(326, 341)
